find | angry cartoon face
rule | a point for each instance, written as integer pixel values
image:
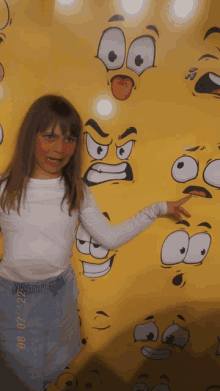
(201, 167)
(208, 82)
(174, 336)
(100, 172)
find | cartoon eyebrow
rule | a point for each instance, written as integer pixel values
(152, 27)
(181, 317)
(149, 317)
(143, 375)
(211, 31)
(208, 56)
(102, 313)
(183, 222)
(127, 132)
(95, 126)
(205, 224)
(164, 377)
(116, 18)
(192, 149)
(3, 34)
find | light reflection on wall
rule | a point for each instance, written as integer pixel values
(103, 107)
(67, 7)
(181, 12)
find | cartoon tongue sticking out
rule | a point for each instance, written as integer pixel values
(121, 87)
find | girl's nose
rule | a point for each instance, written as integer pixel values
(59, 145)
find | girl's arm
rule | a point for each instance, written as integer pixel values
(113, 236)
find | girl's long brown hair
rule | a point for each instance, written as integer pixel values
(49, 110)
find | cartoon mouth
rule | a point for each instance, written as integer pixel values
(197, 190)
(208, 84)
(122, 86)
(93, 270)
(155, 354)
(100, 173)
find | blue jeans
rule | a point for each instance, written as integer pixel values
(39, 327)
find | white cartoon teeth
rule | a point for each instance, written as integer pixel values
(214, 78)
(94, 270)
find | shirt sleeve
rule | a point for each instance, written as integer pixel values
(113, 236)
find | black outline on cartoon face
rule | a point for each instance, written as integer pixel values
(101, 328)
(144, 387)
(66, 381)
(208, 83)
(85, 244)
(1, 134)
(185, 250)
(190, 171)
(8, 21)
(211, 388)
(174, 336)
(117, 52)
(98, 172)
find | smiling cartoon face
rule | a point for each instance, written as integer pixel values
(88, 249)
(201, 169)
(173, 336)
(100, 152)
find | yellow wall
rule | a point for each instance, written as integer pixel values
(174, 108)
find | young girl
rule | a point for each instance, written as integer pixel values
(39, 326)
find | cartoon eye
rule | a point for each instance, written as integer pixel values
(184, 169)
(141, 54)
(124, 151)
(161, 387)
(82, 240)
(111, 49)
(198, 248)
(146, 332)
(95, 150)
(140, 387)
(175, 248)
(175, 336)
(212, 173)
(98, 251)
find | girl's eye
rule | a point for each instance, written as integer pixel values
(71, 140)
(48, 135)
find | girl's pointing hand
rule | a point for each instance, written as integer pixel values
(175, 208)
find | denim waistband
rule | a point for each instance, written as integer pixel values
(41, 286)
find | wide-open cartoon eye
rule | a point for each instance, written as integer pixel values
(199, 245)
(184, 169)
(82, 240)
(124, 151)
(175, 336)
(212, 173)
(111, 49)
(175, 248)
(95, 150)
(161, 387)
(141, 54)
(140, 387)
(146, 332)
(98, 251)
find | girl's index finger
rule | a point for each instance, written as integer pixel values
(183, 200)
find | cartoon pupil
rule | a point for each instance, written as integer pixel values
(179, 247)
(186, 169)
(86, 245)
(101, 172)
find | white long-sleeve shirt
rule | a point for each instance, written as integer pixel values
(38, 243)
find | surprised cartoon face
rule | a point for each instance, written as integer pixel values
(199, 167)
(100, 171)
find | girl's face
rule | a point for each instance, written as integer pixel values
(52, 153)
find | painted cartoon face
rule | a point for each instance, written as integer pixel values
(88, 247)
(173, 336)
(100, 172)
(179, 248)
(209, 82)
(203, 173)
(144, 379)
(140, 56)
(3, 37)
